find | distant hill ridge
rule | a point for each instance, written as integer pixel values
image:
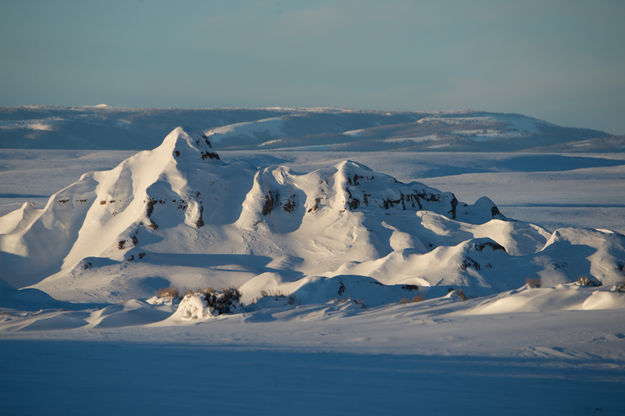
(116, 128)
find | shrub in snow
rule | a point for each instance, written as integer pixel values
(165, 296)
(277, 295)
(202, 303)
(533, 282)
(413, 300)
(169, 293)
(456, 293)
(587, 281)
(223, 301)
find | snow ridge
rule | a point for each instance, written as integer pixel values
(180, 216)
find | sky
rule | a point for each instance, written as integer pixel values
(558, 60)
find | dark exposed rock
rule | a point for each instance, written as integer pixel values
(316, 206)
(468, 262)
(208, 143)
(150, 209)
(454, 204)
(209, 155)
(495, 246)
(200, 221)
(268, 204)
(290, 204)
(560, 265)
(352, 203)
(341, 289)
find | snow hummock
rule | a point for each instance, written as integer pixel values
(192, 307)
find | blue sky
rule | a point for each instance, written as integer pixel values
(563, 61)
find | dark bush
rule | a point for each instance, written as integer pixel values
(533, 282)
(588, 281)
(277, 295)
(413, 300)
(170, 292)
(223, 301)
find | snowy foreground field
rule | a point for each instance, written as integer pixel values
(361, 293)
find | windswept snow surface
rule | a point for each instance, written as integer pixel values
(140, 378)
(368, 281)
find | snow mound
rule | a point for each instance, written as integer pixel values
(604, 300)
(540, 300)
(130, 313)
(192, 307)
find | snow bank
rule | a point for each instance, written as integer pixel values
(541, 300)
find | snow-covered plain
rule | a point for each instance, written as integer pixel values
(316, 333)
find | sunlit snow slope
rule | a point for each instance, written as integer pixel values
(178, 215)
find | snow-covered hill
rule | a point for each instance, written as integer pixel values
(103, 127)
(180, 216)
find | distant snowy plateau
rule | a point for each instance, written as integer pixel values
(266, 230)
